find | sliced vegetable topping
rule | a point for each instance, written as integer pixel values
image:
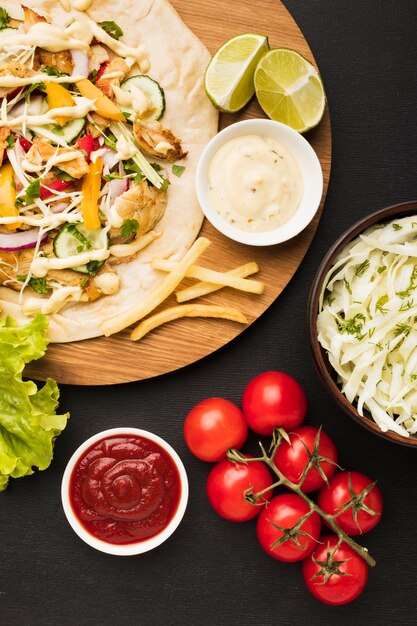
(103, 105)
(57, 97)
(74, 239)
(8, 195)
(90, 193)
(145, 98)
(367, 323)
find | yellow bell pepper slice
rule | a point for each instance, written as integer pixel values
(58, 96)
(104, 106)
(8, 206)
(91, 190)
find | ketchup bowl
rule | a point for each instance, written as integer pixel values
(124, 491)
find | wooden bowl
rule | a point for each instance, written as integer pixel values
(325, 371)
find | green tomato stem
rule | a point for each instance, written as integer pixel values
(268, 459)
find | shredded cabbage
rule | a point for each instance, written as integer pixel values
(367, 323)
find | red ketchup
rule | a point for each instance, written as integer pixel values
(125, 489)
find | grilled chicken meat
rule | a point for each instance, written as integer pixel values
(41, 151)
(4, 133)
(98, 56)
(157, 141)
(106, 82)
(15, 69)
(142, 203)
(62, 61)
(31, 18)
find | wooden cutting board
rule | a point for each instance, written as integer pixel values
(117, 359)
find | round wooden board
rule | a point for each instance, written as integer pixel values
(117, 359)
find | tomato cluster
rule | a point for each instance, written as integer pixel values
(288, 529)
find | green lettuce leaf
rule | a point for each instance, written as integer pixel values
(28, 420)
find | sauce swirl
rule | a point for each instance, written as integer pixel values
(255, 184)
(125, 489)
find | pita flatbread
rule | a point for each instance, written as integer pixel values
(178, 60)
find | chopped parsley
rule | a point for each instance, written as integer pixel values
(347, 285)
(407, 305)
(380, 305)
(361, 269)
(4, 18)
(109, 177)
(353, 326)
(165, 184)
(111, 29)
(62, 175)
(381, 269)
(33, 191)
(129, 227)
(52, 71)
(38, 284)
(10, 141)
(33, 88)
(397, 227)
(178, 170)
(110, 141)
(130, 166)
(93, 267)
(403, 328)
(85, 244)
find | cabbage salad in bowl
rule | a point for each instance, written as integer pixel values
(367, 323)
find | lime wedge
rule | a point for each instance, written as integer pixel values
(289, 89)
(229, 76)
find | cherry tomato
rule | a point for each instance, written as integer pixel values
(292, 459)
(348, 572)
(347, 486)
(286, 511)
(227, 483)
(212, 427)
(272, 400)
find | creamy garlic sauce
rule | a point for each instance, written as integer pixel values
(41, 265)
(59, 298)
(108, 283)
(125, 149)
(14, 81)
(49, 37)
(78, 111)
(254, 183)
(127, 249)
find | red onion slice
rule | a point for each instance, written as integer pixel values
(109, 158)
(20, 241)
(117, 188)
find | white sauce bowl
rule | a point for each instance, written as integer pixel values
(308, 163)
(129, 549)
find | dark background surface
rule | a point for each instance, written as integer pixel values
(212, 572)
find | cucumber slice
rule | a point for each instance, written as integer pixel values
(72, 240)
(153, 93)
(61, 136)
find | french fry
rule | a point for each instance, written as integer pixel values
(203, 288)
(211, 276)
(126, 249)
(159, 294)
(186, 310)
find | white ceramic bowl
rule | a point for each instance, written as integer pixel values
(309, 165)
(131, 548)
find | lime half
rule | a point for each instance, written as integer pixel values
(289, 89)
(229, 76)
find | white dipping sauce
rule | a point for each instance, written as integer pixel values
(254, 183)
